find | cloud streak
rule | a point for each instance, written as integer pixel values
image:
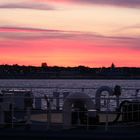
(124, 3)
(34, 34)
(137, 26)
(27, 5)
(37, 33)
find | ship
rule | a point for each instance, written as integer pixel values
(69, 114)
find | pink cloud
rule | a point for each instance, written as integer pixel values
(26, 5)
(124, 3)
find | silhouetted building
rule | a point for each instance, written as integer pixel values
(44, 64)
(113, 66)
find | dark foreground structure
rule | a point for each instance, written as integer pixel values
(77, 116)
(82, 134)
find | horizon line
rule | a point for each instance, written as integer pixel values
(71, 66)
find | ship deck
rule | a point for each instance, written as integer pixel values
(40, 129)
(41, 132)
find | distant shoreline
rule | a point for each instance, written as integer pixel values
(70, 78)
(80, 72)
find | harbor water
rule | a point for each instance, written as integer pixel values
(71, 83)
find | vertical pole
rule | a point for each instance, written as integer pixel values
(79, 123)
(1, 115)
(12, 111)
(133, 111)
(48, 111)
(57, 102)
(87, 119)
(28, 121)
(107, 111)
(117, 101)
(56, 95)
(49, 115)
(138, 112)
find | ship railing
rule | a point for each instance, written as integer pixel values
(48, 115)
(51, 115)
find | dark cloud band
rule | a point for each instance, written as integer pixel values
(123, 3)
(26, 5)
(33, 34)
(36, 33)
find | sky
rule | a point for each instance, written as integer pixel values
(92, 33)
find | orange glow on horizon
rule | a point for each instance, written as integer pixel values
(68, 53)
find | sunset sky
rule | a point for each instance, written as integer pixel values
(93, 33)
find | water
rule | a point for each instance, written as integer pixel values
(73, 84)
